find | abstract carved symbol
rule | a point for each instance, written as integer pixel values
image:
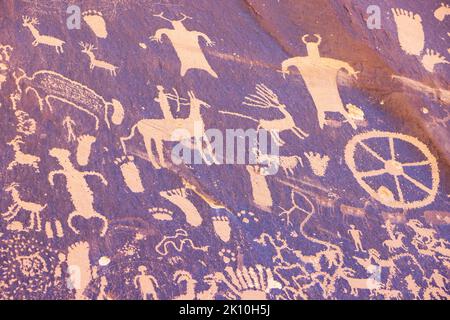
(186, 45)
(31, 23)
(393, 167)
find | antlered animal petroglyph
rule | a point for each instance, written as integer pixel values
(31, 24)
(88, 49)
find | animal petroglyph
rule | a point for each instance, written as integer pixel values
(21, 158)
(94, 19)
(266, 98)
(393, 167)
(88, 49)
(318, 163)
(432, 58)
(81, 194)
(31, 24)
(159, 130)
(49, 85)
(178, 242)
(409, 30)
(396, 238)
(320, 76)
(186, 45)
(18, 204)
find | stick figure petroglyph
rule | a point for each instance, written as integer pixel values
(320, 76)
(186, 45)
(81, 194)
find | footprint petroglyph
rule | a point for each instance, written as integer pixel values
(409, 31)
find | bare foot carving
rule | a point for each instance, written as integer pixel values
(95, 21)
(442, 12)
(84, 149)
(432, 58)
(179, 198)
(222, 227)
(162, 214)
(410, 31)
(130, 173)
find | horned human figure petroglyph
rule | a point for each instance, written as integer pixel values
(49, 85)
(80, 193)
(158, 131)
(320, 76)
(19, 204)
(88, 49)
(186, 45)
(31, 23)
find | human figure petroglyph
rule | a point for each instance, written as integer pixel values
(146, 284)
(94, 19)
(164, 99)
(412, 286)
(34, 209)
(178, 242)
(320, 76)
(49, 85)
(186, 45)
(158, 131)
(317, 162)
(427, 243)
(356, 236)
(393, 167)
(21, 158)
(409, 31)
(69, 125)
(265, 98)
(81, 194)
(31, 23)
(88, 49)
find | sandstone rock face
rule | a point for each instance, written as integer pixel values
(163, 150)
